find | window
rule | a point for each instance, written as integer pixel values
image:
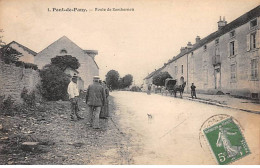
(253, 23)
(232, 48)
(205, 47)
(216, 41)
(181, 69)
(217, 50)
(176, 69)
(232, 34)
(253, 40)
(63, 51)
(233, 72)
(254, 72)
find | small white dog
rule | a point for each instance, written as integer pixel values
(149, 116)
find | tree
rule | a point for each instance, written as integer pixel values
(9, 55)
(2, 43)
(127, 80)
(54, 80)
(65, 61)
(54, 83)
(112, 79)
(159, 79)
(120, 83)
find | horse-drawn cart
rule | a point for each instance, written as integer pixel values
(169, 84)
(172, 87)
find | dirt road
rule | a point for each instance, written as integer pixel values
(169, 136)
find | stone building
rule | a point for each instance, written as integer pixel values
(27, 55)
(64, 46)
(226, 61)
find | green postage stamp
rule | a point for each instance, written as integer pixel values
(226, 141)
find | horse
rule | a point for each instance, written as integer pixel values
(179, 88)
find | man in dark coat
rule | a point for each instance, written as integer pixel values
(193, 90)
(104, 110)
(95, 99)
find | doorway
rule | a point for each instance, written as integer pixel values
(217, 74)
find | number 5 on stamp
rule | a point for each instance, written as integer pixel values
(226, 141)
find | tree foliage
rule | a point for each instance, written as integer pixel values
(9, 55)
(112, 78)
(126, 81)
(54, 80)
(2, 43)
(159, 79)
(65, 61)
(54, 83)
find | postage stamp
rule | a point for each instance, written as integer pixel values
(226, 141)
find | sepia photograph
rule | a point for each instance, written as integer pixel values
(129, 82)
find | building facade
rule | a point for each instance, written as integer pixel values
(226, 61)
(64, 46)
(27, 55)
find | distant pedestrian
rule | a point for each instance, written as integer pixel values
(95, 99)
(73, 93)
(149, 89)
(104, 110)
(193, 91)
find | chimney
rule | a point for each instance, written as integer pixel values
(221, 23)
(91, 53)
(182, 49)
(197, 39)
(189, 45)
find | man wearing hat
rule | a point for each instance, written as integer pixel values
(73, 92)
(95, 99)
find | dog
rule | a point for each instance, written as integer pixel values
(149, 116)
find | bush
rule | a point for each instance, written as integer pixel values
(26, 65)
(19, 64)
(28, 98)
(159, 79)
(32, 66)
(7, 105)
(54, 83)
(135, 89)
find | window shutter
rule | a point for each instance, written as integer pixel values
(236, 47)
(248, 42)
(258, 39)
(228, 49)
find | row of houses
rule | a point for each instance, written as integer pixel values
(226, 61)
(63, 46)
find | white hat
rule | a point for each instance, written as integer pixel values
(96, 77)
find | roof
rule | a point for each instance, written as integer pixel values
(154, 73)
(91, 52)
(23, 47)
(95, 63)
(232, 25)
(84, 51)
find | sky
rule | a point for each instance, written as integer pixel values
(131, 42)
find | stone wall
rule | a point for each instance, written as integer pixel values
(13, 79)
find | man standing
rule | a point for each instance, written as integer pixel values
(104, 110)
(95, 99)
(193, 91)
(73, 92)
